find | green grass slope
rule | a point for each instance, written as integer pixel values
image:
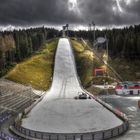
(37, 70)
(128, 70)
(85, 61)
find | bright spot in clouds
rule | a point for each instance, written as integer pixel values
(73, 6)
(119, 6)
(114, 8)
(128, 2)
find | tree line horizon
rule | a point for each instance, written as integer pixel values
(15, 45)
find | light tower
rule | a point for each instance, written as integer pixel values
(94, 26)
(89, 27)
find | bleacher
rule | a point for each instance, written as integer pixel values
(4, 115)
(4, 136)
(14, 100)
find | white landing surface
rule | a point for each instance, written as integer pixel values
(59, 112)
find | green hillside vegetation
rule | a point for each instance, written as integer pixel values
(128, 70)
(123, 43)
(37, 70)
(17, 45)
(84, 62)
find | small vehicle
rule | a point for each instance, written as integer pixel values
(83, 95)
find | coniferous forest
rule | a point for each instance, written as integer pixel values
(15, 46)
(123, 43)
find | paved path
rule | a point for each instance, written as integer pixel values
(59, 112)
(129, 106)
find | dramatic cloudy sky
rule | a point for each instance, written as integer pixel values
(59, 12)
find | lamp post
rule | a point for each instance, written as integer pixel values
(30, 90)
(106, 47)
(93, 40)
(89, 27)
(93, 32)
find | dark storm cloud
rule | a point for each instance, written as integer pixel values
(24, 12)
(103, 12)
(107, 12)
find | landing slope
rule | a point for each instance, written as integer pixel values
(59, 112)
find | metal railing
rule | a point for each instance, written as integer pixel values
(98, 135)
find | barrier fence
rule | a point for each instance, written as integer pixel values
(99, 135)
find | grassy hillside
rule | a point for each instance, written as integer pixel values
(128, 70)
(37, 70)
(84, 61)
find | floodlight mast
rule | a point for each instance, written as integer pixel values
(94, 26)
(89, 27)
(93, 40)
(106, 47)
